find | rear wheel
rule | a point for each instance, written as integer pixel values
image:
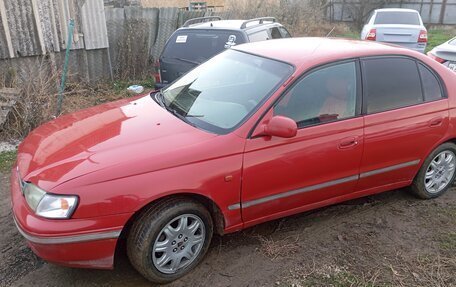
(169, 239)
(437, 172)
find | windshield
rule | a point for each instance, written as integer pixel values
(199, 46)
(452, 42)
(221, 93)
(401, 18)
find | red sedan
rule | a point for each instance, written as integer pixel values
(259, 132)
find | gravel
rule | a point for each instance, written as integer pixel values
(8, 146)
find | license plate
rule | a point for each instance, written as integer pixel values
(452, 66)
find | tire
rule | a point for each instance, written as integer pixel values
(148, 233)
(426, 183)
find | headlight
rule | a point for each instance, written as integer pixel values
(33, 194)
(56, 206)
(49, 205)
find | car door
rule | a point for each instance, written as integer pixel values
(406, 116)
(282, 176)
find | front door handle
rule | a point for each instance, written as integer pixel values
(348, 142)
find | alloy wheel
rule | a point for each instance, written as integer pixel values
(179, 243)
(440, 171)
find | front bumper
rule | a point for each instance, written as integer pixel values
(84, 243)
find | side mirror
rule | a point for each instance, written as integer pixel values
(280, 126)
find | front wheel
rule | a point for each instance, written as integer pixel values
(169, 239)
(437, 172)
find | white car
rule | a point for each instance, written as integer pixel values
(445, 54)
(402, 27)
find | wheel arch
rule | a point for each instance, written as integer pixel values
(218, 219)
(446, 140)
(217, 216)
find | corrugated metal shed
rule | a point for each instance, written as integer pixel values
(4, 49)
(167, 22)
(22, 29)
(94, 25)
(37, 27)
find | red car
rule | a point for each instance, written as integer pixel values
(259, 132)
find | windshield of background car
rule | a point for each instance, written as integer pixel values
(401, 18)
(200, 45)
(220, 94)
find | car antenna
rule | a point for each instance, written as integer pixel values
(327, 35)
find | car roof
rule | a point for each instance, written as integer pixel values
(229, 24)
(310, 51)
(396, 10)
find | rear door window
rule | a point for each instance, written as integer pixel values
(199, 46)
(275, 33)
(285, 33)
(431, 86)
(390, 83)
(402, 18)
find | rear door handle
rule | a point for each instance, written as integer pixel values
(435, 122)
(348, 142)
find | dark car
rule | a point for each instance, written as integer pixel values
(200, 39)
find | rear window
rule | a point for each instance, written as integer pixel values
(403, 18)
(431, 87)
(453, 42)
(199, 46)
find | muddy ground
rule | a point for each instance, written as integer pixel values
(390, 239)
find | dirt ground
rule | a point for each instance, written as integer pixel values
(390, 239)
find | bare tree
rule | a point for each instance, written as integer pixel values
(361, 10)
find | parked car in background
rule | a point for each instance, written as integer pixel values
(261, 131)
(202, 38)
(445, 54)
(397, 26)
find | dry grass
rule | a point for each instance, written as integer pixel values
(278, 248)
(37, 102)
(301, 18)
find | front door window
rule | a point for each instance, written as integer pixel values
(328, 94)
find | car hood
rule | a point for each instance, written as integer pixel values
(98, 138)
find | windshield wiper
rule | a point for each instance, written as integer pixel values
(186, 60)
(159, 98)
(183, 118)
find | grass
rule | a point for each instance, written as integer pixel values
(349, 35)
(448, 242)
(437, 37)
(339, 279)
(7, 160)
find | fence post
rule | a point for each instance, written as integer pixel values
(65, 66)
(442, 11)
